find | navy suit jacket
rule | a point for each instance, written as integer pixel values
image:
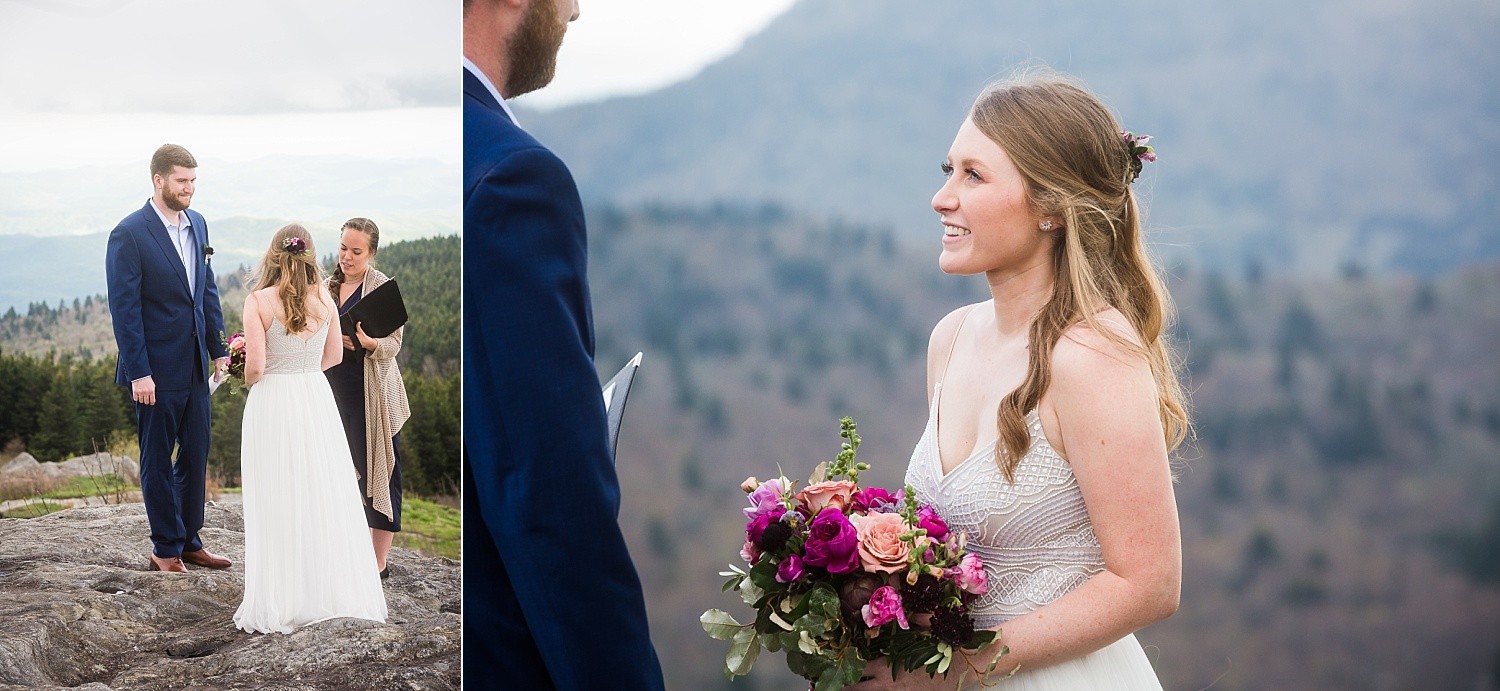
(161, 327)
(551, 597)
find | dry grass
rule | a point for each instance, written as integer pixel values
(27, 488)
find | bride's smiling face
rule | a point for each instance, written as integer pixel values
(354, 253)
(988, 223)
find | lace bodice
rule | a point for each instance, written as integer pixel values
(291, 354)
(1034, 536)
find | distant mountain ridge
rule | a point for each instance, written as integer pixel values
(1307, 136)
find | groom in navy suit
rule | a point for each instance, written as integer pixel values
(168, 328)
(551, 598)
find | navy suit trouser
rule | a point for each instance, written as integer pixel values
(173, 491)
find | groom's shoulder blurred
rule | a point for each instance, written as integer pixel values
(489, 131)
(497, 150)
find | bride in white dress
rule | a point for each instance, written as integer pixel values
(307, 551)
(1053, 406)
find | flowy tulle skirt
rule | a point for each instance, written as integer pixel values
(308, 555)
(1119, 666)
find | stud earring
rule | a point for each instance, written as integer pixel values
(1046, 226)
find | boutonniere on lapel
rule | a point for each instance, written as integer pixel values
(208, 251)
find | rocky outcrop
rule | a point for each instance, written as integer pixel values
(25, 466)
(78, 609)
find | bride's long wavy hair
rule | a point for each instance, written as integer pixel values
(294, 275)
(1077, 168)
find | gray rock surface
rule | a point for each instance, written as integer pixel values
(25, 466)
(78, 609)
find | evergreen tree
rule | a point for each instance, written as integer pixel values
(58, 429)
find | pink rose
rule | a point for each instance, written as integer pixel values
(885, 606)
(837, 493)
(970, 575)
(881, 549)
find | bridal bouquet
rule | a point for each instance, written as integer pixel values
(841, 574)
(236, 346)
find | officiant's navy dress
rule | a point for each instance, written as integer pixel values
(347, 379)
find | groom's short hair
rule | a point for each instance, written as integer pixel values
(169, 155)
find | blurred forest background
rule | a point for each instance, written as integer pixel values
(1324, 208)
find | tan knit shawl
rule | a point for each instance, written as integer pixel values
(386, 408)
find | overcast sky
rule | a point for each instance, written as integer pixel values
(103, 82)
(622, 47)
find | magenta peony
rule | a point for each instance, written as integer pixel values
(832, 543)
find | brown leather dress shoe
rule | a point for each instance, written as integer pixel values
(206, 559)
(169, 565)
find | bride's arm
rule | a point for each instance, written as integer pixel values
(1105, 404)
(255, 341)
(333, 347)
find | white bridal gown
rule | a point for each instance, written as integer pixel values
(1037, 544)
(308, 555)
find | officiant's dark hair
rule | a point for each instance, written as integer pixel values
(168, 155)
(371, 231)
(291, 268)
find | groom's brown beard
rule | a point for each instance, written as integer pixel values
(532, 53)
(176, 202)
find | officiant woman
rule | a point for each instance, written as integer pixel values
(368, 388)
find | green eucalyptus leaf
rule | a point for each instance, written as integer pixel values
(720, 625)
(743, 651)
(806, 644)
(823, 600)
(832, 679)
(751, 593)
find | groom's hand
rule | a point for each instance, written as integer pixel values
(143, 391)
(221, 368)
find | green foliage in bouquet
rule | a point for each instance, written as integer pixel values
(839, 576)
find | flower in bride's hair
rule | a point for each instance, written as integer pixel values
(1138, 149)
(295, 246)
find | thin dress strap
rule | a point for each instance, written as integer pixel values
(954, 345)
